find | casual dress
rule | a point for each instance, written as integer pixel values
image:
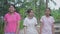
(47, 24)
(30, 23)
(11, 22)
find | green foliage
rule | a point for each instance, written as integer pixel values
(56, 15)
(1, 26)
(21, 24)
(3, 7)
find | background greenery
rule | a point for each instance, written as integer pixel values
(38, 7)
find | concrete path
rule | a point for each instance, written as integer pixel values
(22, 31)
(56, 25)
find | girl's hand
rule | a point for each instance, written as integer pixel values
(25, 29)
(53, 29)
(38, 32)
(17, 32)
(53, 33)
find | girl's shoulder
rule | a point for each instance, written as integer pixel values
(34, 18)
(43, 16)
(51, 17)
(17, 13)
(6, 14)
(26, 18)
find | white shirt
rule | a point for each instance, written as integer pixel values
(47, 24)
(30, 23)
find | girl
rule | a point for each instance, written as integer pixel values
(30, 23)
(12, 21)
(47, 23)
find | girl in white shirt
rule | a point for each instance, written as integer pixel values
(30, 23)
(47, 23)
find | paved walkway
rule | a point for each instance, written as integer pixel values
(56, 25)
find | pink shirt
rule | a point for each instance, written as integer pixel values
(12, 22)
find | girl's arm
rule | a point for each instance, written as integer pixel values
(25, 29)
(17, 30)
(53, 26)
(36, 24)
(25, 25)
(41, 26)
(5, 24)
(53, 29)
(18, 23)
(5, 20)
(37, 28)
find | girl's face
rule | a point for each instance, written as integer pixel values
(31, 13)
(47, 12)
(11, 9)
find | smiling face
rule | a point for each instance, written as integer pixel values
(47, 12)
(11, 9)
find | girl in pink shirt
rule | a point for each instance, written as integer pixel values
(12, 21)
(47, 23)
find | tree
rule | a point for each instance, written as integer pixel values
(47, 1)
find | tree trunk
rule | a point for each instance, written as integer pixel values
(47, 3)
(6, 2)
